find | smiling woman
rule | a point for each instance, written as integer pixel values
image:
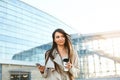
(56, 56)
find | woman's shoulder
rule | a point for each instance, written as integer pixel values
(50, 51)
(47, 52)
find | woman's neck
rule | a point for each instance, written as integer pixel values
(61, 48)
(62, 51)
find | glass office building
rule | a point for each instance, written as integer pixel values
(23, 29)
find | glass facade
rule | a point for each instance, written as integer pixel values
(23, 27)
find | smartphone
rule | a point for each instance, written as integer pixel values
(37, 64)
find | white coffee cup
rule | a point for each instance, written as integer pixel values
(65, 61)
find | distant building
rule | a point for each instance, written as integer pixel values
(99, 55)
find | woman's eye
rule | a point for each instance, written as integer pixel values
(57, 36)
(60, 37)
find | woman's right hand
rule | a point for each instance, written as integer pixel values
(41, 68)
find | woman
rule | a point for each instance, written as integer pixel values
(54, 68)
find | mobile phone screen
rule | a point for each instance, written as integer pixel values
(37, 64)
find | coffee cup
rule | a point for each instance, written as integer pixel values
(65, 61)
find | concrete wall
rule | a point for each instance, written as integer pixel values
(6, 68)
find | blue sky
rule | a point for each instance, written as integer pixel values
(85, 16)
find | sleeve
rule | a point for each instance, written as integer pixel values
(46, 71)
(75, 70)
(49, 66)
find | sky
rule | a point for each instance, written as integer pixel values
(85, 16)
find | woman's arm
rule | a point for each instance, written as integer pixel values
(45, 69)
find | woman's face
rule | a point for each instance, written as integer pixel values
(59, 39)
